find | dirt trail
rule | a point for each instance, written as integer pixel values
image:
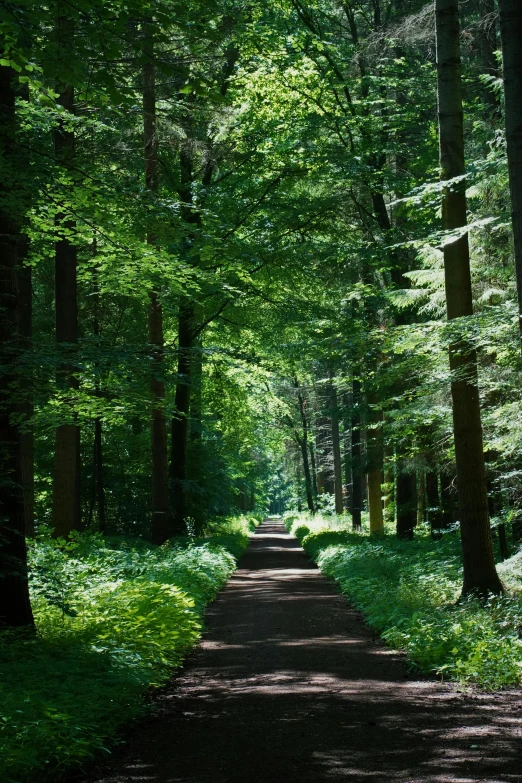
(289, 685)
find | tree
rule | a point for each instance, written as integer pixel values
(511, 35)
(15, 607)
(160, 528)
(480, 575)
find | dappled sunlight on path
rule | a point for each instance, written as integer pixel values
(289, 685)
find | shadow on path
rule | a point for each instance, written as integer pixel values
(289, 685)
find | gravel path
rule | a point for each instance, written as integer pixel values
(289, 685)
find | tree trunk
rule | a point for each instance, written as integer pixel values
(160, 474)
(356, 456)
(336, 448)
(406, 494)
(480, 575)
(66, 514)
(375, 464)
(15, 606)
(511, 37)
(303, 443)
(25, 294)
(347, 449)
(180, 422)
(433, 501)
(421, 492)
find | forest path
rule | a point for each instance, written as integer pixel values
(289, 685)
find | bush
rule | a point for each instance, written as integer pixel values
(408, 592)
(113, 616)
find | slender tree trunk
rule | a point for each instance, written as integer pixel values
(406, 504)
(347, 447)
(313, 467)
(356, 456)
(433, 500)
(25, 294)
(160, 476)
(303, 443)
(375, 464)
(448, 502)
(180, 422)
(15, 606)
(421, 498)
(66, 514)
(511, 37)
(336, 448)
(98, 477)
(480, 575)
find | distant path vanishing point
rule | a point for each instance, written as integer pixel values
(289, 685)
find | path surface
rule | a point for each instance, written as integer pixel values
(289, 685)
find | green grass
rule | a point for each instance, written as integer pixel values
(408, 592)
(114, 617)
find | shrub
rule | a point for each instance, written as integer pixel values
(408, 592)
(114, 616)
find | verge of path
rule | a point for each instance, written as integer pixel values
(288, 685)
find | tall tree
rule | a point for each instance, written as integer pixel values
(480, 575)
(511, 36)
(336, 446)
(15, 607)
(160, 527)
(66, 514)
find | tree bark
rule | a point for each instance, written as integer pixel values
(356, 456)
(160, 527)
(480, 575)
(336, 448)
(433, 501)
(375, 464)
(25, 294)
(421, 499)
(303, 444)
(406, 493)
(66, 515)
(15, 606)
(511, 37)
(180, 422)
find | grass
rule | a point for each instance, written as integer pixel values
(114, 617)
(408, 592)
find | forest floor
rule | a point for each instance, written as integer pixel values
(289, 685)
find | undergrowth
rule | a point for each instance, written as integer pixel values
(113, 616)
(408, 592)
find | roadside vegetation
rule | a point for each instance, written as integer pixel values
(408, 592)
(114, 616)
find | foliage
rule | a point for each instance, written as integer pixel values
(114, 616)
(408, 592)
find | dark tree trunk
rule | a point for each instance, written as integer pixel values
(336, 448)
(180, 422)
(15, 606)
(406, 494)
(374, 465)
(480, 575)
(448, 501)
(347, 448)
(511, 37)
(356, 456)
(98, 471)
(303, 444)
(433, 500)
(313, 467)
(160, 475)
(25, 298)
(67, 468)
